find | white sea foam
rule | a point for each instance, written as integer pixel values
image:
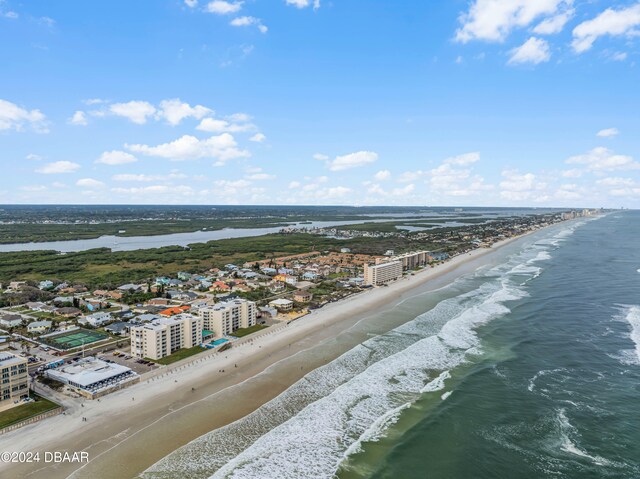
(377, 429)
(313, 443)
(437, 384)
(631, 314)
(309, 429)
(446, 395)
(566, 431)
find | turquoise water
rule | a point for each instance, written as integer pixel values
(528, 367)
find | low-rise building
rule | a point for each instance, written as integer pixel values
(302, 296)
(14, 380)
(10, 320)
(92, 377)
(39, 327)
(282, 304)
(46, 284)
(97, 319)
(383, 273)
(226, 317)
(164, 336)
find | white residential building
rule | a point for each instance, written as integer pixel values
(282, 304)
(39, 326)
(14, 380)
(383, 273)
(224, 318)
(413, 260)
(164, 336)
(97, 319)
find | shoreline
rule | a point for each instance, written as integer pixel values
(267, 367)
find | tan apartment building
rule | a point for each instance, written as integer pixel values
(164, 336)
(413, 260)
(383, 273)
(14, 384)
(224, 318)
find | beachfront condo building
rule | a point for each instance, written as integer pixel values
(224, 318)
(15, 380)
(383, 273)
(413, 260)
(164, 336)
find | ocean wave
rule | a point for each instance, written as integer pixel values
(310, 428)
(437, 384)
(631, 314)
(566, 431)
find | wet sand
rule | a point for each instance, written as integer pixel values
(129, 430)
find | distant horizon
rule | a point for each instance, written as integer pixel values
(284, 205)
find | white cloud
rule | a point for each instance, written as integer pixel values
(116, 157)
(191, 3)
(615, 181)
(520, 187)
(568, 192)
(221, 7)
(135, 111)
(261, 177)
(239, 117)
(230, 188)
(573, 173)
(13, 117)
(493, 20)
(58, 167)
(212, 125)
(90, 183)
(619, 56)
(535, 50)
(608, 133)
(555, 24)
(463, 160)
(153, 190)
(408, 176)
(187, 147)
(174, 111)
(610, 22)
(34, 157)
(352, 160)
(304, 3)
(78, 118)
(320, 157)
(335, 192)
(143, 178)
(258, 138)
(248, 21)
(295, 185)
(603, 159)
(382, 175)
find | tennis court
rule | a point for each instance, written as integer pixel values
(74, 339)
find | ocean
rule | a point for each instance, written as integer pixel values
(527, 367)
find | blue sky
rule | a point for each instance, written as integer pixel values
(463, 102)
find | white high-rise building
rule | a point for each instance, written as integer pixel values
(379, 274)
(14, 380)
(164, 336)
(224, 318)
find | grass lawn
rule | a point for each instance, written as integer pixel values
(239, 333)
(178, 355)
(25, 411)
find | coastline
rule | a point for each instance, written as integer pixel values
(164, 413)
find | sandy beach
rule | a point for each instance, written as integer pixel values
(129, 430)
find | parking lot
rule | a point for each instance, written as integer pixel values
(124, 359)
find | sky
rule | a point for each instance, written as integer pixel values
(359, 102)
